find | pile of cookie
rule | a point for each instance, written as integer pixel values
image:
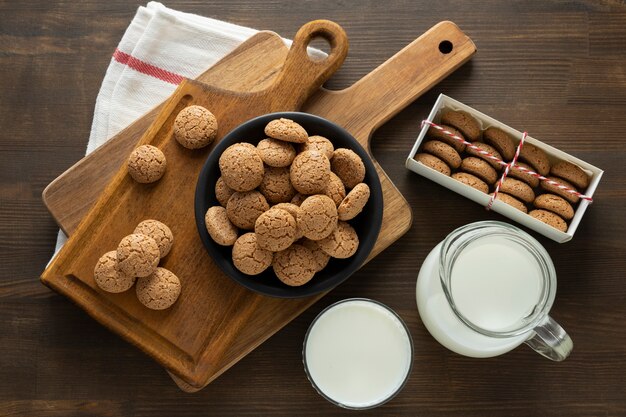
(539, 199)
(137, 260)
(287, 196)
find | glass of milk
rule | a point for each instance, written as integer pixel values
(486, 289)
(358, 353)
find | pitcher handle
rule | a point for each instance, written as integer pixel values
(550, 340)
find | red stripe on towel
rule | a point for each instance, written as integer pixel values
(145, 68)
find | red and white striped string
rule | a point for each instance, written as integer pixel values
(507, 165)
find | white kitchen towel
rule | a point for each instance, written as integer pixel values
(159, 48)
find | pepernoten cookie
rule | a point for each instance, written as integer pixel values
(439, 135)
(294, 211)
(572, 173)
(321, 258)
(511, 201)
(248, 257)
(244, 208)
(486, 148)
(146, 164)
(318, 217)
(298, 199)
(518, 189)
(341, 243)
(479, 168)
(471, 180)
(348, 166)
(444, 152)
(138, 255)
(572, 198)
(159, 290)
(521, 175)
(158, 231)
(287, 130)
(242, 167)
(550, 219)
(276, 185)
(276, 153)
(275, 230)
(354, 202)
(433, 162)
(462, 121)
(195, 127)
(501, 141)
(320, 144)
(222, 192)
(294, 266)
(221, 230)
(309, 172)
(108, 276)
(536, 158)
(555, 204)
(335, 189)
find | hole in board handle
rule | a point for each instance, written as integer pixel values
(321, 44)
(445, 47)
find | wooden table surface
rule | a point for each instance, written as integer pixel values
(556, 69)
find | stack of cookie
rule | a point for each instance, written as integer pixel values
(540, 199)
(286, 203)
(137, 260)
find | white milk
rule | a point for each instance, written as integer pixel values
(358, 354)
(494, 285)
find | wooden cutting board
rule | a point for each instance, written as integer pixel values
(196, 342)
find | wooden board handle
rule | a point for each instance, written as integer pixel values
(312, 73)
(381, 94)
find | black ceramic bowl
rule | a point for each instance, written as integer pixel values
(367, 224)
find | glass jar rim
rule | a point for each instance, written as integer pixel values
(450, 250)
(338, 403)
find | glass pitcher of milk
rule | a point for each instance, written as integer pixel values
(486, 289)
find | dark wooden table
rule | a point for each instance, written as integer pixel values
(556, 69)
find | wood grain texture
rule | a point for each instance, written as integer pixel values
(554, 68)
(210, 347)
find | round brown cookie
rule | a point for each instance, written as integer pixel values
(241, 167)
(109, 277)
(294, 210)
(572, 173)
(248, 257)
(275, 230)
(348, 166)
(222, 191)
(298, 199)
(518, 189)
(536, 158)
(550, 219)
(195, 127)
(276, 185)
(310, 172)
(521, 175)
(479, 168)
(295, 265)
(317, 217)
(276, 153)
(444, 152)
(511, 201)
(137, 255)
(160, 290)
(341, 243)
(158, 231)
(433, 162)
(462, 121)
(244, 208)
(146, 164)
(287, 130)
(321, 258)
(437, 134)
(354, 202)
(501, 141)
(572, 198)
(555, 204)
(335, 189)
(471, 180)
(221, 230)
(486, 148)
(320, 144)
